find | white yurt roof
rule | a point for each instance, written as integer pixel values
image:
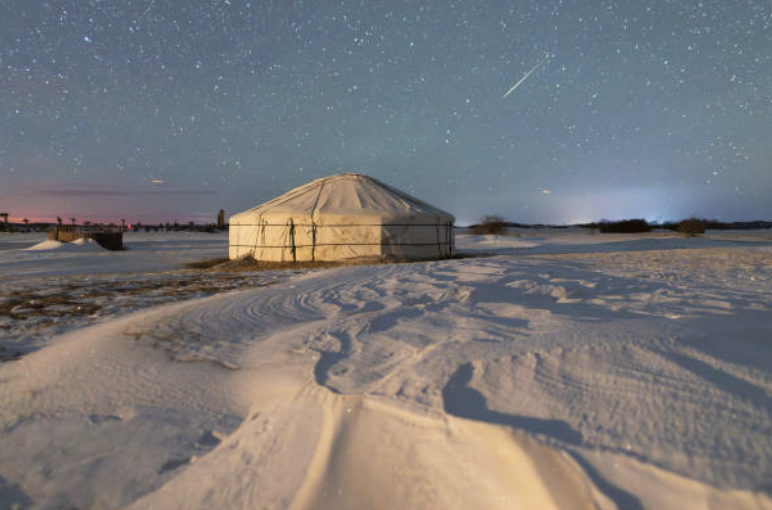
(346, 195)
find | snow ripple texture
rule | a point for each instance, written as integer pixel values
(551, 346)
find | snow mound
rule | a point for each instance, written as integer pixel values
(45, 245)
(82, 244)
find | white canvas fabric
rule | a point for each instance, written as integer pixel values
(341, 217)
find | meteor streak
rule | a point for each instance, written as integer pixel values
(529, 73)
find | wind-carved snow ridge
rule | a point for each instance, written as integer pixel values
(459, 399)
(594, 379)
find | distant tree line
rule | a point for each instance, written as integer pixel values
(217, 226)
(689, 225)
(495, 225)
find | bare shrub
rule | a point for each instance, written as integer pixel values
(691, 226)
(489, 225)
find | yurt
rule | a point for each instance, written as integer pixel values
(345, 216)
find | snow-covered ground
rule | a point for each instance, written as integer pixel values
(27, 255)
(49, 287)
(562, 369)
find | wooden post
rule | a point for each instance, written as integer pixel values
(221, 220)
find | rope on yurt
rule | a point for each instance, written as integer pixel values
(292, 238)
(313, 224)
(260, 231)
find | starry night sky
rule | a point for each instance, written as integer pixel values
(163, 110)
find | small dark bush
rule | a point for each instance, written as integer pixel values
(489, 225)
(691, 226)
(624, 226)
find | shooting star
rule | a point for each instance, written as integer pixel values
(529, 73)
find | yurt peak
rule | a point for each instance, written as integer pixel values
(343, 216)
(343, 175)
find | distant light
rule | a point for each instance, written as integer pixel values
(545, 191)
(158, 181)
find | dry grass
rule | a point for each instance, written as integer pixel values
(30, 312)
(22, 305)
(206, 264)
(250, 264)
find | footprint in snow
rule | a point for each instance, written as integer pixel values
(210, 438)
(173, 464)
